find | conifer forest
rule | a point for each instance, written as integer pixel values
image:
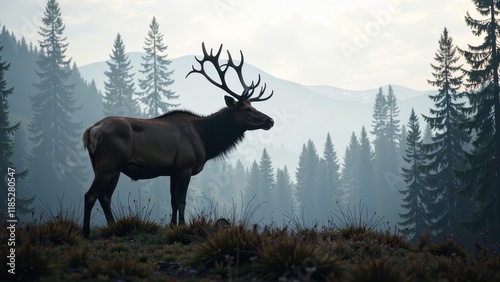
(413, 194)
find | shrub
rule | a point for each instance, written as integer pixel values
(379, 270)
(58, 232)
(234, 245)
(447, 248)
(120, 268)
(129, 225)
(292, 257)
(33, 263)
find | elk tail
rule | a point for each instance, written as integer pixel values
(92, 137)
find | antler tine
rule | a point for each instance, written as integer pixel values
(262, 90)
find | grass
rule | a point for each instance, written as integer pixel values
(349, 250)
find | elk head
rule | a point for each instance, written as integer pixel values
(245, 115)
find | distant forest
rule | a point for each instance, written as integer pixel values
(437, 172)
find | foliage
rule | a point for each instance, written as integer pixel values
(119, 87)
(444, 154)
(155, 68)
(54, 132)
(415, 194)
(481, 178)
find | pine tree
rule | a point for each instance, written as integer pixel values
(119, 88)
(386, 162)
(56, 164)
(6, 131)
(427, 139)
(306, 177)
(154, 87)
(444, 153)
(252, 191)
(268, 191)
(379, 122)
(415, 219)
(284, 192)
(393, 128)
(481, 178)
(328, 183)
(379, 125)
(367, 189)
(350, 173)
(240, 177)
(402, 141)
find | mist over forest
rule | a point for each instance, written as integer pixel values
(421, 160)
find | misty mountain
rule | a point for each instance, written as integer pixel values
(300, 112)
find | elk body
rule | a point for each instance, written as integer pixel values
(176, 144)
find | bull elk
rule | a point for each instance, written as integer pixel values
(175, 144)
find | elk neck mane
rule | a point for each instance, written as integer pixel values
(219, 131)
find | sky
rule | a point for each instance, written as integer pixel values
(354, 45)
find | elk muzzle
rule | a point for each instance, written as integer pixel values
(268, 124)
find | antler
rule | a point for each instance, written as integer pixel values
(248, 90)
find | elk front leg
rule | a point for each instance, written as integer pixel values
(183, 179)
(173, 199)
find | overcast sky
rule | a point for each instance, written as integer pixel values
(355, 44)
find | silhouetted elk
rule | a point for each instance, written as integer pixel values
(176, 144)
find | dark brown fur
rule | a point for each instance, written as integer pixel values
(176, 144)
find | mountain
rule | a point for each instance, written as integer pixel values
(300, 112)
(365, 96)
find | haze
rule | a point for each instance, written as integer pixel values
(354, 45)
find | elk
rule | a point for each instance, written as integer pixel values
(176, 144)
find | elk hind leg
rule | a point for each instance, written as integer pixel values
(101, 184)
(105, 199)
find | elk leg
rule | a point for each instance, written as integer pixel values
(182, 186)
(173, 199)
(105, 200)
(102, 182)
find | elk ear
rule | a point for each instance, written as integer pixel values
(230, 102)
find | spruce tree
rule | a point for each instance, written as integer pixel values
(379, 122)
(56, 164)
(155, 93)
(119, 87)
(402, 141)
(268, 191)
(307, 181)
(252, 191)
(393, 131)
(240, 177)
(331, 181)
(386, 131)
(367, 189)
(350, 173)
(414, 201)
(6, 131)
(481, 178)
(328, 184)
(444, 153)
(284, 192)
